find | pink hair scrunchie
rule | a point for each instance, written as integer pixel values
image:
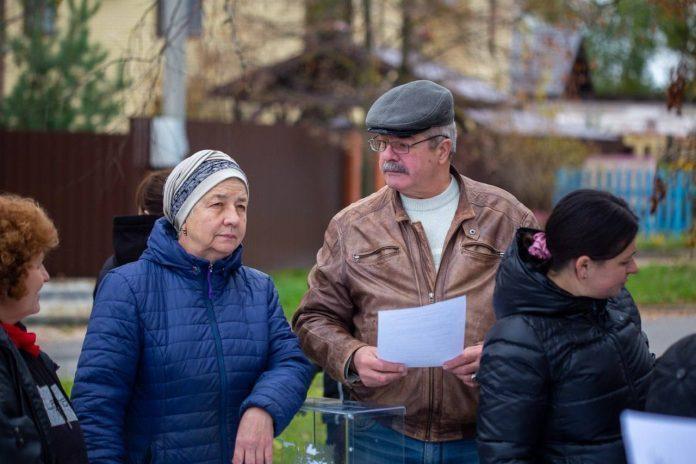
(538, 249)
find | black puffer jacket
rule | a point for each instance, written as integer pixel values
(557, 370)
(673, 387)
(24, 424)
(130, 234)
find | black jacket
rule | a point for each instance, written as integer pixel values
(673, 387)
(24, 424)
(557, 370)
(130, 235)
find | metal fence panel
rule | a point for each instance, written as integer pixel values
(674, 214)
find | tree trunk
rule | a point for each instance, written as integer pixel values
(322, 21)
(367, 19)
(406, 37)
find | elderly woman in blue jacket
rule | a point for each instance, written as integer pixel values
(188, 357)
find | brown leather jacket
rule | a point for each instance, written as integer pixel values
(375, 258)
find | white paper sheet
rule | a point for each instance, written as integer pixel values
(425, 336)
(658, 439)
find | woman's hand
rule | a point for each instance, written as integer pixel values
(254, 443)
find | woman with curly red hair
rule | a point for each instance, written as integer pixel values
(37, 422)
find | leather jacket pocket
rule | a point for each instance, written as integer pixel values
(376, 255)
(481, 251)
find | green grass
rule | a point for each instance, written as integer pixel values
(291, 285)
(662, 242)
(67, 385)
(653, 285)
(664, 284)
(301, 430)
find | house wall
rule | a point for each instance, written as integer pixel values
(238, 36)
(475, 42)
(262, 31)
(646, 146)
(479, 44)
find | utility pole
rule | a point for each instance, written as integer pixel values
(169, 143)
(2, 48)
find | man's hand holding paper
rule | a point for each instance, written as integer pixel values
(466, 365)
(426, 336)
(375, 372)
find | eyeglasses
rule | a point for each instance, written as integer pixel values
(401, 148)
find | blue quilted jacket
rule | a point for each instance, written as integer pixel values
(176, 350)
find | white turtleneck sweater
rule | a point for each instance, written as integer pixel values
(435, 215)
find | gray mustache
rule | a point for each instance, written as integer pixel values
(393, 166)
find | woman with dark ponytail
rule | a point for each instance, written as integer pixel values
(567, 354)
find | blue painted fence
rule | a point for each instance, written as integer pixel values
(674, 214)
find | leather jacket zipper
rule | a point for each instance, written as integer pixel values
(431, 370)
(431, 401)
(431, 300)
(382, 252)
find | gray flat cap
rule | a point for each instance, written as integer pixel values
(411, 108)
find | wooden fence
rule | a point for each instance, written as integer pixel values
(83, 180)
(674, 214)
(296, 183)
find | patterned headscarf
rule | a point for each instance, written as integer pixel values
(192, 178)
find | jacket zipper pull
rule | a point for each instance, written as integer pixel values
(431, 297)
(210, 286)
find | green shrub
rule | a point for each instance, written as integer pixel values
(664, 284)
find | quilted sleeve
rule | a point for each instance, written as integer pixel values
(513, 397)
(282, 388)
(106, 370)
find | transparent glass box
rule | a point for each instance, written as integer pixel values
(332, 431)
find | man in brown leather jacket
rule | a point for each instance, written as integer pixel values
(431, 234)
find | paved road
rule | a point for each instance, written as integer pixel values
(663, 331)
(64, 345)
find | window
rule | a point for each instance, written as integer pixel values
(194, 15)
